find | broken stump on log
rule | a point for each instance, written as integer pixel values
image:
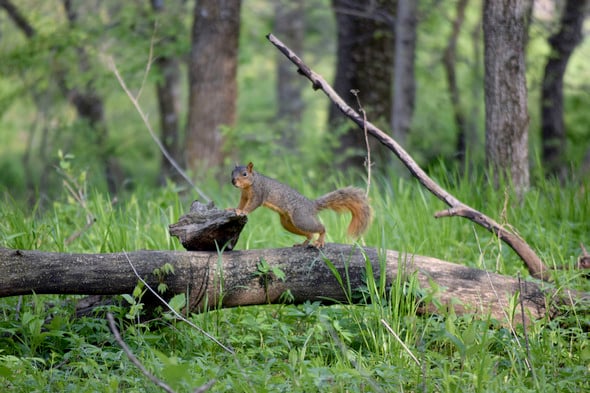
(207, 228)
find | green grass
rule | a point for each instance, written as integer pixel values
(309, 347)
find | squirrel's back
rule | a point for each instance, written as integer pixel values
(281, 197)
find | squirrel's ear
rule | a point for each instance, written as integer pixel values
(250, 166)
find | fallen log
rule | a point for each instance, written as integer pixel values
(229, 279)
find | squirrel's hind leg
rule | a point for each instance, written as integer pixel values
(321, 240)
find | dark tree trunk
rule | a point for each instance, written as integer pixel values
(449, 61)
(168, 93)
(562, 45)
(212, 81)
(404, 85)
(290, 24)
(507, 120)
(364, 63)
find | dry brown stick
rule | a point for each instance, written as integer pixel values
(535, 266)
(132, 357)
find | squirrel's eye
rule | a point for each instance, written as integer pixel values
(244, 173)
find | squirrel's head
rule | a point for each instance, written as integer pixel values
(241, 176)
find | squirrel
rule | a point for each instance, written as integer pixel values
(298, 213)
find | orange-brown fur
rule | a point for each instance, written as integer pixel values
(299, 214)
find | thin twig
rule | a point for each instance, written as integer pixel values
(228, 349)
(384, 322)
(113, 67)
(148, 64)
(368, 163)
(132, 357)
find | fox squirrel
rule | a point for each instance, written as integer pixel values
(299, 214)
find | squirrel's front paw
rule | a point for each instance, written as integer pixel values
(240, 212)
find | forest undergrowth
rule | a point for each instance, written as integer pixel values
(384, 345)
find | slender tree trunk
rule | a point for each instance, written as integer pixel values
(507, 120)
(449, 62)
(364, 63)
(290, 24)
(404, 83)
(562, 45)
(212, 81)
(168, 93)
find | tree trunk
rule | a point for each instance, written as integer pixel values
(289, 23)
(507, 120)
(212, 81)
(168, 93)
(364, 63)
(232, 279)
(449, 62)
(562, 45)
(404, 84)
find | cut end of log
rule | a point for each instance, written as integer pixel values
(207, 228)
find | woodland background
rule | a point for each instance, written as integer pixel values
(217, 93)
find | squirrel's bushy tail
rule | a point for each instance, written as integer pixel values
(355, 201)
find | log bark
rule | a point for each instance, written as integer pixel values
(206, 228)
(229, 279)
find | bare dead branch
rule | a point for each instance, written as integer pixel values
(535, 266)
(113, 67)
(18, 18)
(132, 357)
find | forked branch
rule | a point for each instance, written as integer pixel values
(535, 266)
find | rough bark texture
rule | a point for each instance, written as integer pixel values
(533, 263)
(212, 81)
(364, 62)
(404, 83)
(232, 278)
(206, 228)
(289, 23)
(507, 120)
(562, 45)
